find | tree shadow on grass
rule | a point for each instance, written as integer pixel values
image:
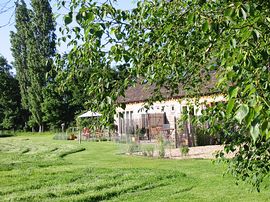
(6, 135)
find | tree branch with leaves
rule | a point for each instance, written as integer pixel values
(184, 42)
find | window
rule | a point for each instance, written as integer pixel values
(162, 108)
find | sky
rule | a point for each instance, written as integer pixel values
(8, 18)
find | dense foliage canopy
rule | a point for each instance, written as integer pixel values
(170, 42)
(11, 113)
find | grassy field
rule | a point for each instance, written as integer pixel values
(37, 168)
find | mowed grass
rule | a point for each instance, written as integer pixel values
(37, 168)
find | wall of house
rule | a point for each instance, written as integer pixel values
(134, 112)
(129, 118)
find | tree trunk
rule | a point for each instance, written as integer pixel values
(40, 128)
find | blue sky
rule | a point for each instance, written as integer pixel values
(9, 16)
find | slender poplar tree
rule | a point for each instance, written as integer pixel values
(35, 35)
(20, 50)
(41, 45)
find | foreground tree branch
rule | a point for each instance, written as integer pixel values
(164, 44)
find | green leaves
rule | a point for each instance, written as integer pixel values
(228, 12)
(205, 26)
(241, 113)
(245, 34)
(233, 43)
(255, 132)
(10, 99)
(181, 42)
(233, 91)
(191, 18)
(68, 19)
(256, 34)
(244, 14)
(230, 107)
(266, 129)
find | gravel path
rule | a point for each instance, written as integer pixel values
(205, 152)
(199, 152)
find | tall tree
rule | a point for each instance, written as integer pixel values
(41, 44)
(33, 47)
(10, 100)
(20, 50)
(61, 103)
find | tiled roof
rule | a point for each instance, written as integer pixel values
(143, 92)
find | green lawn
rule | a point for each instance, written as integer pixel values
(37, 168)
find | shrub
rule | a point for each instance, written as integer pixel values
(104, 139)
(60, 136)
(161, 151)
(184, 150)
(144, 152)
(148, 150)
(133, 148)
(6, 133)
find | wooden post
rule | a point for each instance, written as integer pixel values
(79, 136)
(175, 133)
